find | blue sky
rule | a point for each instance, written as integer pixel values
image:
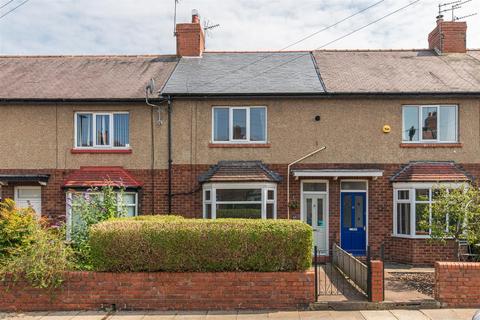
(43, 27)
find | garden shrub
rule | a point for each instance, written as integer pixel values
(16, 228)
(178, 245)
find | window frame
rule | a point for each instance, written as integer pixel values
(420, 108)
(265, 187)
(231, 140)
(69, 196)
(94, 124)
(411, 187)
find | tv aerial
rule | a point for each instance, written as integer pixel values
(451, 7)
(207, 27)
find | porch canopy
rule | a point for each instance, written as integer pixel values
(431, 171)
(91, 177)
(41, 179)
(337, 173)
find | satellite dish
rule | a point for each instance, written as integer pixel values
(150, 88)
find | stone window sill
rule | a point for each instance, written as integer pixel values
(239, 145)
(431, 145)
(101, 151)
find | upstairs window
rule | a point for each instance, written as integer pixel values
(430, 123)
(239, 125)
(102, 130)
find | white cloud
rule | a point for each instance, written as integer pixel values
(146, 26)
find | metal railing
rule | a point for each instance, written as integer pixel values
(352, 268)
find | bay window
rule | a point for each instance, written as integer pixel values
(430, 123)
(412, 207)
(102, 130)
(239, 200)
(239, 124)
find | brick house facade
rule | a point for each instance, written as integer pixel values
(352, 102)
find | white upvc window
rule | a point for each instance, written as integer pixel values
(430, 123)
(239, 124)
(240, 200)
(129, 202)
(102, 130)
(412, 207)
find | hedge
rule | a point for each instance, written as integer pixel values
(182, 245)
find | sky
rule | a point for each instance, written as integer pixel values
(73, 27)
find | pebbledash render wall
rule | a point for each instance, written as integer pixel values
(40, 139)
(165, 291)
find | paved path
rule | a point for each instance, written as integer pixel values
(437, 314)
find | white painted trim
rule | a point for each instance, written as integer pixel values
(420, 185)
(337, 173)
(327, 206)
(230, 124)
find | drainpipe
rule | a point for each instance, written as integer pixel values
(288, 175)
(169, 111)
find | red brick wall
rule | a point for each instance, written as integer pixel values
(457, 284)
(377, 280)
(419, 251)
(449, 37)
(167, 291)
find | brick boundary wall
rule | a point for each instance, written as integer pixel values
(457, 284)
(165, 291)
(377, 280)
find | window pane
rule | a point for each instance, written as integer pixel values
(220, 124)
(257, 124)
(207, 195)
(309, 211)
(131, 211)
(84, 130)
(103, 130)
(33, 193)
(121, 127)
(429, 122)
(239, 194)
(448, 124)
(320, 212)
(240, 210)
(403, 195)
(208, 211)
(359, 212)
(129, 198)
(239, 124)
(271, 195)
(422, 194)
(270, 208)
(317, 186)
(410, 123)
(347, 212)
(403, 218)
(353, 185)
(422, 218)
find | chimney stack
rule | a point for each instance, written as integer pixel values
(190, 37)
(448, 36)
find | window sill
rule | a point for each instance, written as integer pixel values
(101, 151)
(431, 145)
(415, 237)
(239, 145)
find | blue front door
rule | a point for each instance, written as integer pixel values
(353, 222)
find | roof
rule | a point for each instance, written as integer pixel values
(90, 177)
(81, 77)
(245, 73)
(237, 171)
(399, 71)
(430, 171)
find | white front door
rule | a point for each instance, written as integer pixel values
(315, 215)
(29, 197)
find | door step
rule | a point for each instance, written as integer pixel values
(365, 305)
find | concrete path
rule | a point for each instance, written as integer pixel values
(438, 314)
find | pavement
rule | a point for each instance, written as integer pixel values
(434, 314)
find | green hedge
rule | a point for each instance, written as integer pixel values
(178, 245)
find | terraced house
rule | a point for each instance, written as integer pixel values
(353, 143)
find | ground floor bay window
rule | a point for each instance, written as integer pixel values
(240, 200)
(412, 207)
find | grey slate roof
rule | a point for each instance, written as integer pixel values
(245, 73)
(400, 71)
(81, 77)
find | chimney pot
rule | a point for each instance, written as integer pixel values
(195, 16)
